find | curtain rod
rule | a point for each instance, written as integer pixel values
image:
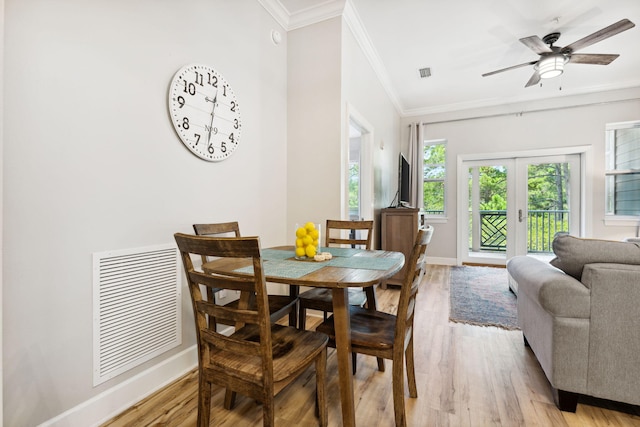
(520, 113)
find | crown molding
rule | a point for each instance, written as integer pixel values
(318, 13)
(358, 30)
(278, 11)
(311, 15)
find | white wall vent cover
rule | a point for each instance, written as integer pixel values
(137, 309)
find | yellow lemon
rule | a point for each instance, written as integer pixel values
(314, 234)
(315, 243)
(301, 232)
(310, 226)
(299, 243)
(307, 240)
(300, 252)
(310, 251)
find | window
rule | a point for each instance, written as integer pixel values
(622, 173)
(434, 175)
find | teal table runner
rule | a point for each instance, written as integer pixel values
(276, 254)
(280, 263)
(368, 263)
(289, 269)
(341, 252)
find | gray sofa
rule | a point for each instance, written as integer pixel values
(580, 314)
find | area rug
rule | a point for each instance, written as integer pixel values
(481, 296)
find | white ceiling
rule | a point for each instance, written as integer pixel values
(460, 40)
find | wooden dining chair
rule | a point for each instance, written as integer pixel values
(320, 298)
(360, 236)
(391, 336)
(279, 305)
(260, 358)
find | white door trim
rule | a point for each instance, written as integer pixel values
(586, 181)
(366, 164)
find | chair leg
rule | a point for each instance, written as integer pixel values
(302, 318)
(268, 414)
(372, 304)
(204, 402)
(293, 317)
(398, 393)
(229, 399)
(411, 371)
(321, 379)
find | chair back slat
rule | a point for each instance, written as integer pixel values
(221, 282)
(232, 229)
(230, 314)
(340, 226)
(222, 342)
(222, 229)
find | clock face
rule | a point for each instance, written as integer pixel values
(204, 112)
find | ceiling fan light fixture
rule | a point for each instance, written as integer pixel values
(551, 66)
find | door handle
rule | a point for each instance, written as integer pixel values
(520, 215)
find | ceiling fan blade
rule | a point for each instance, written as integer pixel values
(592, 58)
(534, 80)
(604, 33)
(509, 68)
(536, 44)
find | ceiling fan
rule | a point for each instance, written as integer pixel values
(553, 58)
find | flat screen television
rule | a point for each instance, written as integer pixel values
(404, 180)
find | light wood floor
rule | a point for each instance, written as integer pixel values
(467, 376)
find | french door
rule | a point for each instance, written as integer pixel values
(515, 206)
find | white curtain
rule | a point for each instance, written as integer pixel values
(415, 160)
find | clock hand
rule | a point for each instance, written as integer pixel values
(213, 109)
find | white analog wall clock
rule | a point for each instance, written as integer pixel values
(205, 112)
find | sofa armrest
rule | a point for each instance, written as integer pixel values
(614, 336)
(558, 293)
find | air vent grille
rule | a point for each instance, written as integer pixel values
(136, 306)
(425, 72)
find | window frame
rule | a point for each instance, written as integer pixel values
(611, 218)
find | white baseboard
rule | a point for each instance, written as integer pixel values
(441, 261)
(110, 403)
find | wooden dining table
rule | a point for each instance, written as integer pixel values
(347, 268)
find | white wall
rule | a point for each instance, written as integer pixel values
(563, 122)
(327, 71)
(315, 123)
(92, 163)
(362, 90)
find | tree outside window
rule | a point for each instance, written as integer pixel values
(434, 177)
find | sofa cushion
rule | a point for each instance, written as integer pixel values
(572, 253)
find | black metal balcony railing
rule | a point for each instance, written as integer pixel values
(542, 226)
